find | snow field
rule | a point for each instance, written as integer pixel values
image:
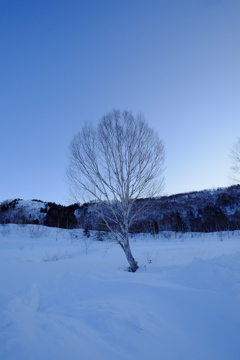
(67, 297)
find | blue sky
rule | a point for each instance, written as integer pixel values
(66, 62)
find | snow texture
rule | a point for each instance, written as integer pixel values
(64, 296)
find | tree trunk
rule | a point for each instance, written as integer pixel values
(133, 265)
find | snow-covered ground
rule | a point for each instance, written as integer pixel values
(67, 297)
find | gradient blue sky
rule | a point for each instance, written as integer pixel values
(64, 62)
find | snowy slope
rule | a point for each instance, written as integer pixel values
(63, 296)
(22, 211)
(202, 211)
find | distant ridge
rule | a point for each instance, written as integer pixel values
(197, 211)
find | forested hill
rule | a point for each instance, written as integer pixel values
(207, 210)
(202, 211)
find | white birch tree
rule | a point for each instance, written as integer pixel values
(116, 163)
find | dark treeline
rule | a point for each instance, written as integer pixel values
(48, 214)
(203, 211)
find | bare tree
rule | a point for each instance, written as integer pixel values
(117, 163)
(235, 157)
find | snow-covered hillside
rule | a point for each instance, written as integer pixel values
(66, 296)
(20, 211)
(202, 211)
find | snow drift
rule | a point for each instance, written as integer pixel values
(67, 297)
